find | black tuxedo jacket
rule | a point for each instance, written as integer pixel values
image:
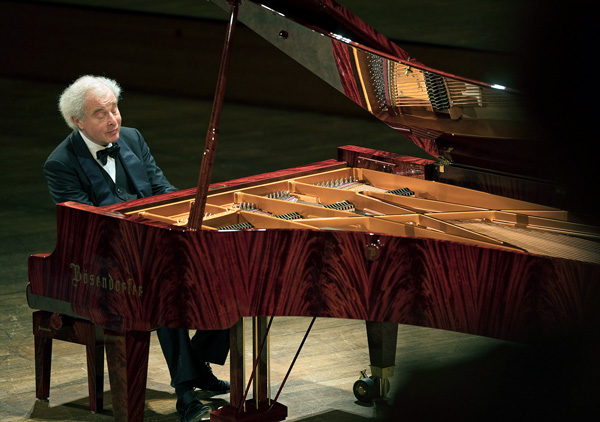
(74, 175)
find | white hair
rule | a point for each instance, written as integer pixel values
(72, 100)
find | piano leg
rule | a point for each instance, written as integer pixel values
(382, 338)
(127, 359)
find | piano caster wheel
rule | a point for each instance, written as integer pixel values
(365, 390)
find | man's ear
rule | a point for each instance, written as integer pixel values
(77, 122)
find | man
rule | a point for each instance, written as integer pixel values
(102, 163)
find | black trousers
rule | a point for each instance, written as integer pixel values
(186, 357)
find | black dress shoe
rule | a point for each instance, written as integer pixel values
(190, 409)
(209, 382)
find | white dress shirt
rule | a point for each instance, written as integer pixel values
(110, 166)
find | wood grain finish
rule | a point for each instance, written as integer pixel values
(127, 359)
(126, 274)
(403, 165)
(212, 135)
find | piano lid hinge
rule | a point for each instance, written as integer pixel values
(444, 159)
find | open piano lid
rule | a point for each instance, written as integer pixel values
(455, 119)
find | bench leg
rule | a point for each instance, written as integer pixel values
(47, 327)
(95, 367)
(43, 361)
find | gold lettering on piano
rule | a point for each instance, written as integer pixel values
(102, 282)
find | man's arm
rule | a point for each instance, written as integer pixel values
(158, 181)
(64, 184)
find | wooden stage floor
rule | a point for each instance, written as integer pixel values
(318, 389)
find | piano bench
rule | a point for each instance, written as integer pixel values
(48, 326)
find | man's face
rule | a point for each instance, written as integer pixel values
(102, 121)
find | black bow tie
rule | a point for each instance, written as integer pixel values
(103, 154)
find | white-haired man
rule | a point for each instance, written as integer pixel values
(102, 163)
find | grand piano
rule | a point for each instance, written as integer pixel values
(472, 241)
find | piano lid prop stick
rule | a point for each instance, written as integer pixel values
(293, 362)
(210, 146)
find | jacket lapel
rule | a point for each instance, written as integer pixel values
(135, 170)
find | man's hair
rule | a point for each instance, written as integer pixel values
(72, 100)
